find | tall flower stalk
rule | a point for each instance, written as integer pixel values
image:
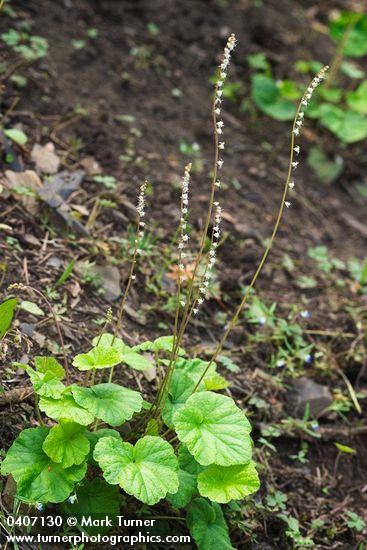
(288, 186)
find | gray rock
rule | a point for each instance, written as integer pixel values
(307, 391)
(110, 281)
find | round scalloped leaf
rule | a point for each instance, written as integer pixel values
(49, 364)
(147, 471)
(94, 437)
(38, 478)
(65, 408)
(67, 444)
(45, 384)
(127, 355)
(111, 403)
(180, 390)
(225, 483)
(214, 429)
(101, 357)
(208, 526)
(98, 499)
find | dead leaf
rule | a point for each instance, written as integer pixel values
(45, 158)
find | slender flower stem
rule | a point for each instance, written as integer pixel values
(217, 129)
(291, 166)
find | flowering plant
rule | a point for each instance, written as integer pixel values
(191, 446)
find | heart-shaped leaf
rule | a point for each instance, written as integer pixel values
(38, 478)
(225, 483)
(49, 364)
(94, 437)
(127, 355)
(67, 444)
(45, 384)
(208, 526)
(111, 403)
(214, 429)
(148, 470)
(101, 357)
(180, 390)
(65, 408)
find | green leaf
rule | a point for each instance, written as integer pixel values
(100, 357)
(208, 526)
(111, 403)
(64, 277)
(258, 61)
(267, 97)
(345, 449)
(94, 437)
(214, 429)
(45, 384)
(194, 368)
(215, 382)
(147, 471)
(49, 364)
(18, 136)
(127, 355)
(65, 408)
(67, 444)
(136, 361)
(357, 100)
(187, 476)
(348, 126)
(97, 499)
(225, 483)
(180, 390)
(325, 169)
(32, 308)
(38, 478)
(164, 343)
(6, 315)
(355, 24)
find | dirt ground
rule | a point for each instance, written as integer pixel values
(127, 99)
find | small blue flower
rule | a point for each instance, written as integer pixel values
(315, 426)
(305, 314)
(280, 363)
(71, 499)
(262, 321)
(40, 507)
(308, 359)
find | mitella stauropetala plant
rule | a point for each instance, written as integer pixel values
(99, 441)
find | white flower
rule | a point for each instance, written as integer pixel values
(217, 183)
(195, 310)
(288, 204)
(291, 185)
(200, 301)
(220, 163)
(297, 149)
(133, 277)
(221, 145)
(217, 111)
(296, 131)
(295, 164)
(182, 303)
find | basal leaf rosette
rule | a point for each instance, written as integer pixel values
(214, 429)
(207, 525)
(109, 402)
(38, 478)
(146, 470)
(225, 483)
